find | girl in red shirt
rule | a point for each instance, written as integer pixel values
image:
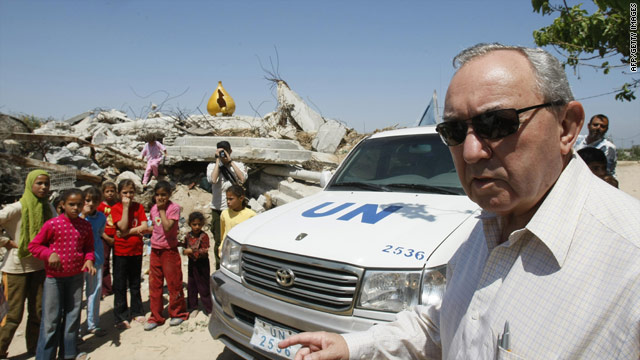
(110, 196)
(131, 223)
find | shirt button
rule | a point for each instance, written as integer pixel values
(474, 315)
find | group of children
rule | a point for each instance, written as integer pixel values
(79, 240)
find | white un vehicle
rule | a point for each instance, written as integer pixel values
(376, 241)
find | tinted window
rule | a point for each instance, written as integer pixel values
(418, 163)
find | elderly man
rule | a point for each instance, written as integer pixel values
(551, 269)
(598, 126)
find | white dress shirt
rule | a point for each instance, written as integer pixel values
(568, 284)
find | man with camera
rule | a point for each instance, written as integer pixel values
(222, 173)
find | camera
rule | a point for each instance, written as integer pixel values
(223, 155)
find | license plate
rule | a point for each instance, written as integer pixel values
(266, 337)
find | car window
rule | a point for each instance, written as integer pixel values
(400, 163)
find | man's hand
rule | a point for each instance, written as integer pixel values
(54, 261)
(226, 159)
(88, 267)
(318, 346)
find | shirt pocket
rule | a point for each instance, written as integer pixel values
(507, 355)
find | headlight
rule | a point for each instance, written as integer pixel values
(389, 291)
(434, 282)
(230, 256)
(397, 291)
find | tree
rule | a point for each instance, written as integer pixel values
(599, 40)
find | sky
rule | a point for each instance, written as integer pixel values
(369, 64)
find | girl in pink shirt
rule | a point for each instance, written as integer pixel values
(65, 244)
(165, 261)
(156, 152)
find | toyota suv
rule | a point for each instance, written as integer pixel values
(374, 242)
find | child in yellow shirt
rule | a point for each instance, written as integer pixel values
(235, 213)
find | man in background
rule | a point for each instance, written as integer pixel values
(221, 174)
(598, 126)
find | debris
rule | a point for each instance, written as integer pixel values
(291, 104)
(294, 142)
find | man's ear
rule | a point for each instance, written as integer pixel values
(571, 123)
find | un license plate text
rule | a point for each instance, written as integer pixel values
(267, 336)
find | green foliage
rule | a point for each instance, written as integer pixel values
(632, 154)
(588, 39)
(32, 121)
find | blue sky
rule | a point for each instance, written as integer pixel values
(369, 64)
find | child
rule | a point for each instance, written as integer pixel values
(236, 212)
(196, 247)
(155, 150)
(65, 244)
(165, 262)
(57, 204)
(93, 290)
(110, 198)
(131, 222)
(22, 274)
(596, 160)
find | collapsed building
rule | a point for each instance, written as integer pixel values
(288, 152)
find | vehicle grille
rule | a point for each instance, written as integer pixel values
(318, 284)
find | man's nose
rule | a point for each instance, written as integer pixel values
(474, 148)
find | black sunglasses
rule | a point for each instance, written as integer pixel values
(491, 125)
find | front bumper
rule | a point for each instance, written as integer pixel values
(235, 308)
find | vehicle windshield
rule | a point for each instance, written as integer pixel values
(417, 163)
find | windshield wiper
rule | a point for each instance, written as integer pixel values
(428, 188)
(362, 185)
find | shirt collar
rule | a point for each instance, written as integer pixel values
(556, 219)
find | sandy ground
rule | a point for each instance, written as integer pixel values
(192, 337)
(628, 173)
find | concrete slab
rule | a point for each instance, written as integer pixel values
(329, 136)
(245, 149)
(297, 190)
(278, 198)
(308, 119)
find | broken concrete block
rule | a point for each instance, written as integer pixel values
(104, 136)
(161, 124)
(94, 169)
(326, 159)
(255, 205)
(78, 118)
(329, 136)
(73, 146)
(84, 151)
(308, 119)
(278, 198)
(55, 154)
(112, 117)
(297, 190)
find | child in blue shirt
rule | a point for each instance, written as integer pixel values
(93, 289)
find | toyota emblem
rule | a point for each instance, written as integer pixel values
(285, 277)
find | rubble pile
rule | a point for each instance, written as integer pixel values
(288, 152)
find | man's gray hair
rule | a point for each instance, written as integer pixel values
(551, 79)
